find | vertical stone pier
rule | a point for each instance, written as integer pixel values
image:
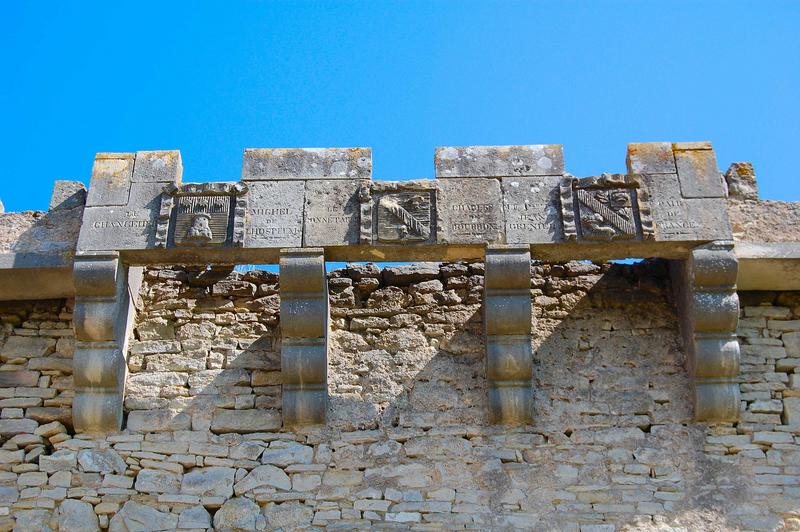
(710, 316)
(304, 332)
(507, 324)
(103, 317)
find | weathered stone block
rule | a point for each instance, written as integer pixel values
(698, 172)
(137, 516)
(306, 163)
(111, 179)
(245, 420)
(158, 420)
(265, 475)
(157, 481)
(208, 482)
(11, 379)
(163, 166)
(27, 347)
(499, 161)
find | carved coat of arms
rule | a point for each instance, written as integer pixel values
(608, 207)
(202, 215)
(397, 212)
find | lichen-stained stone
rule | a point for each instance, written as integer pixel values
(194, 517)
(67, 195)
(157, 481)
(264, 475)
(697, 170)
(288, 516)
(244, 421)
(284, 453)
(331, 216)
(137, 517)
(101, 461)
(27, 347)
(499, 161)
(61, 460)
(470, 211)
(77, 516)
(208, 482)
(111, 179)
(160, 420)
(306, 163)
(275, 214)
(239, 513)
(10, 427)
(32, 520)
(678, 218)
(532, 210)
(163, 166)
(651, 158)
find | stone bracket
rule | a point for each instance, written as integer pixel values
(304, 332)
(105, 290)
(507, 326)
(706, 285)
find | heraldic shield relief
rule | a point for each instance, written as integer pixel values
(608, 207)
(202, 215)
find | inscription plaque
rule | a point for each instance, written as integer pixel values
(608, 207)
(202, 215)
(471, 211)
(275, 214)
(532, 210)
(331, 216)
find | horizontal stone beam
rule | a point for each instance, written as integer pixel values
(671, 200)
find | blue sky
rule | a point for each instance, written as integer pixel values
(211, 78)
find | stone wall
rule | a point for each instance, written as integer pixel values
(407, 445)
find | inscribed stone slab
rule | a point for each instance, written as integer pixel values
(331, 216)
(306, 163)
(470, 211)
(677, 218)
(499, 161)
(111, 179)
(532, 210)
(131, 226)
(275, 214)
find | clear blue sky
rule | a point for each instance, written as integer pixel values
(211, 78)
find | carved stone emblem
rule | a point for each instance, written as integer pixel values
(202, 215)
(608, 207)
(394, 212)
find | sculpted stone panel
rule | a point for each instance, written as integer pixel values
(202, 215)
(605, 208)
(397, 212)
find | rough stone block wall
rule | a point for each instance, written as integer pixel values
(407, 445)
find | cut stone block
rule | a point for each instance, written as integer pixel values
(499, 161)
(306, 163)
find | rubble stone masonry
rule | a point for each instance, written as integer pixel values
(408, 444)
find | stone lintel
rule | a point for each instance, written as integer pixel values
(499, 161)
(706, 283)
(507, 325)
(304, 333)
(306, 163)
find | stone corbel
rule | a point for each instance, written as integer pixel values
(507, 324)
(103, 316)
(710, 313)
(304, 332)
